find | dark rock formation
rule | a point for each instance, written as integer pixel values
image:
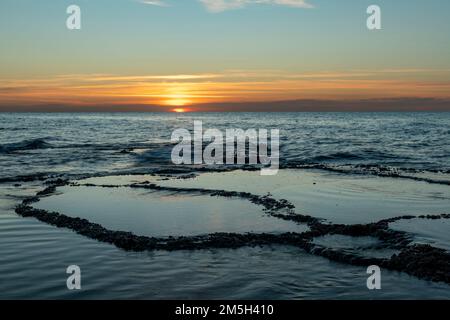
(422, 261)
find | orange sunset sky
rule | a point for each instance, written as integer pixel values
(223, 56)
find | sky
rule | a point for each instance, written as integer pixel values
(219, 55)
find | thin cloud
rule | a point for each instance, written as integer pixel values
(159, 3)
(224, 5)
(222, 88)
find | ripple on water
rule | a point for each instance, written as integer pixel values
(362, 246)
(335, 197)
(427, 231)
(35, 257)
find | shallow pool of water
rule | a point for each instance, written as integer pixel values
(335, 197)
(157, 213)
(35, 257)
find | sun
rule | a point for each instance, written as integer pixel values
(177, 102)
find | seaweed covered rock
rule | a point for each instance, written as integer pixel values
(423, 261)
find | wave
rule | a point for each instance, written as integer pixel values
(359, 156)
(32, 144)
(42, 143)
(336, 156)
(426, 175)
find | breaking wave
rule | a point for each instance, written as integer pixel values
(23, 145)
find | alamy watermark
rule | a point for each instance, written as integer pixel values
(373, 22)
(73, 282)
(236, 146)
(73, 22)
(374, 280)
(374, 19)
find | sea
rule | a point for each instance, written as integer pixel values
(411, 149)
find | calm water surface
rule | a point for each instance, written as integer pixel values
(34, 256)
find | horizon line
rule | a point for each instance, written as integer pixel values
(401, 104)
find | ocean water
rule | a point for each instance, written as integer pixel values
(45, 143)
(343, 167)
(335, 197)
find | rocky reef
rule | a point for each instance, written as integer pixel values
(421, 261)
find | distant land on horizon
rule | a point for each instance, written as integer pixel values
(307, 105)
